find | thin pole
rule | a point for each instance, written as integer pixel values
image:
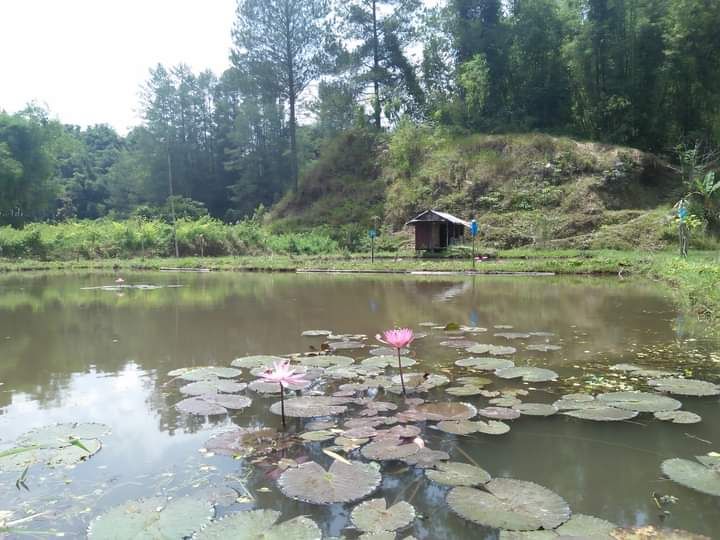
(282, 403)
(172, 204)
(372, 249)
(473, 251)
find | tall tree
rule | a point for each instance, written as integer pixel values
(280, 44)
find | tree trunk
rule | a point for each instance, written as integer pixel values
(376, 68)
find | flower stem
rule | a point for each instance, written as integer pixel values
(282, 403)
(402, 380)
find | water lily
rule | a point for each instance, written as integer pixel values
(119, 280)
(397, 338)
(283, 374)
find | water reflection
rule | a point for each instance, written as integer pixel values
(93, 355)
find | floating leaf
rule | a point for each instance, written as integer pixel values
(210, 372)
(311, 406)
(536, 409)
(449, 410)
(577, 402)
(651, 533)
(266, 387)
(510, 504)
(543, 347)
(499, 413)
(485, 364)
(343, 345)
(228, 401)
(639, 401)
(512, 335)
(388, 351)
(316, 333)
(255, 524)
(152, 518)
(196, 405)
(326, 361)
(243, 442)
(678, 417)
(692, 475)
(389, 450)
(602, 414)
(473, 329)
(685, 387)
(459, 343)
(531, 535)
(375, 516)
(495, 350)
(426, 457)
(211, 387)
(505, 401)
(317, 436)
(387, 361)
(72, 455)
(584, 526)
(255, 361)
(457, 427)
(492, 427)
(458, 474)
(310, 482)
(528, 374)
(61, 435)
(467, 390)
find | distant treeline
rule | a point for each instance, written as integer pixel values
(644, 73)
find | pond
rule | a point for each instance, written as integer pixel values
(83, 349)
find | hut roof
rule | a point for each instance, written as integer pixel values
(435, 215)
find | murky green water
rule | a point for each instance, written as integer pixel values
(68, 354)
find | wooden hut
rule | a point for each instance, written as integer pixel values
(437, 230)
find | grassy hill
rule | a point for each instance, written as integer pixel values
(524, 189)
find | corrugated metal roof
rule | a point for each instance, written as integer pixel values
(444, 216)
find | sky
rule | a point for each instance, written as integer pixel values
(85, 60)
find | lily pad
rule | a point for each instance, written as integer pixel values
(316, 333)
(685, 387)
(536, 409)
(69, 456)
(310, 482)
(459, 343)
(266, 387)
(212, 386)
(154, 518)
(528, 374)
(388, 351)
(505, 401)
(495, 350)
(375, 516)
(389, 450)
(229, 401)
(243, 442)
(499, 413)
(344, 345)
(651, 533)
(325, 361)
(543, 347)
(61, 435)
(196, 405)
(426, 458)
(512, 335)
(509, 504)
(255, 361)
(602, 414)
(692, 475)
(467, 390)
(458, 474)
(311, 406)
(577, 402)
(678, 417)
(457, 427)
(639, 401)
(210, 372)
(485, 364)
(255, 524)
(449, 410)
(584, 526)
(387, 361)
(492, 427)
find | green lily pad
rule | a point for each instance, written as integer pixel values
(528, 374)
(326, 361)
(212, 386)
(492, 427)
(485, 364)
(68, 456)
(584, 526)
(692, 475)
(152, 519)
(499, 413)
(449, 410)
(509, 504)
(61, 435)
(389, 450)
(243, 442)
(530, 535)
(473, 329)
(512, 335)
(310, 482)
(345, 344)
(467, 390)
(577, 402)
(459, 343)
(536, 409)
(495, 350)
(229, 401)
(543, 347)
(711, 460)
(311, 406)
(255, 361)
(210, 372)
(686, 387)
(317, 436)
(266, 387)
(375, 516)
(196, 405)
(457, 427)
(426, 458)
(505, 401)
(458, 474)
(602, 414)
(639, 401)
(387, 361)
(255, 524)
(316, 333)
(651, 533)
(678, 417)
(383, 535)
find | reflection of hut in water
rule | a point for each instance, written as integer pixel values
(437, 230)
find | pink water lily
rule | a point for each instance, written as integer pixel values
(283, 374)
(397, 338)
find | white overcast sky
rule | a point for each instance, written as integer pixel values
(86, 59)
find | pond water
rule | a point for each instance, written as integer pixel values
(73, 353)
